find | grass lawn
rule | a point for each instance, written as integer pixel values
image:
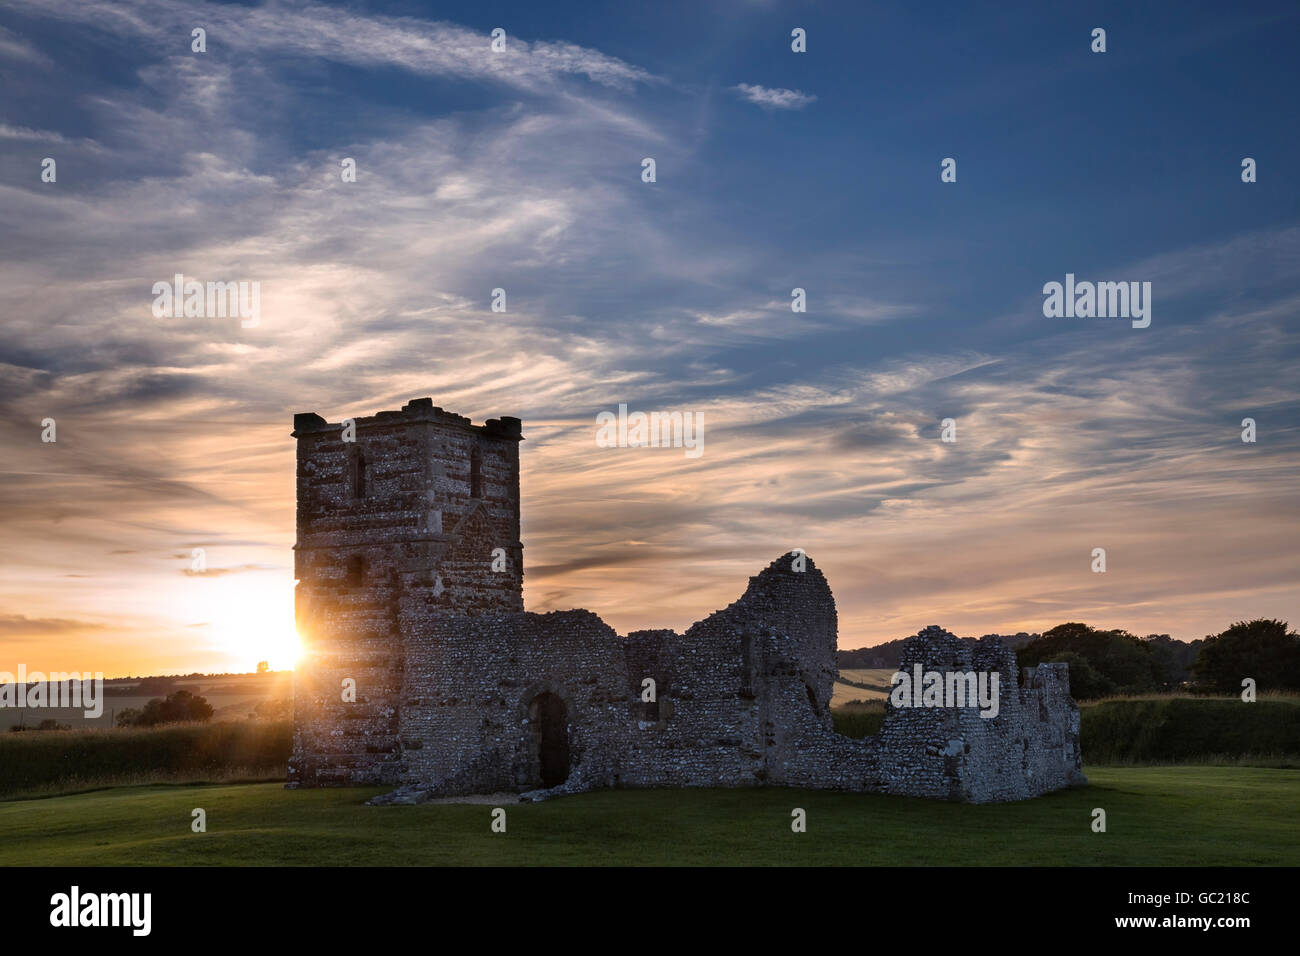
(1155, 816)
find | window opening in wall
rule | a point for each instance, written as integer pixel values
(476, 474)
(358, 462)
(356, 571)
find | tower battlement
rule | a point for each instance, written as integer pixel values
(417, 409)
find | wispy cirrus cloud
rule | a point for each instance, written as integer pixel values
(14, 48)
(821, 428)
(48, 137)
(19, 625)
(774, 99)
(317, 31)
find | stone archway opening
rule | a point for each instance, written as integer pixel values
(549, 717)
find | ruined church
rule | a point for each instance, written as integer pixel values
(424, 673)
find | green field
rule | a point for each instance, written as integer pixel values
(861, 684)
(1156, 816)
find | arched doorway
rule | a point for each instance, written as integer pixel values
(550, 720)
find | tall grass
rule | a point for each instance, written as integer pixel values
(54, 761)
(860, 718)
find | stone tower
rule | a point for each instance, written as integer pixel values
(416, 516)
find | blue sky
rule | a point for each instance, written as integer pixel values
(521, 170)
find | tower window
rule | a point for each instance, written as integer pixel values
(357, 465)
(356, 571)
(476, 474)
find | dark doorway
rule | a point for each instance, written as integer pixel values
(550, 720)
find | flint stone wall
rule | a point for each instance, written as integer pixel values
(743, 700)
(402, 591)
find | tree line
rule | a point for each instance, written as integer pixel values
(1107, 663)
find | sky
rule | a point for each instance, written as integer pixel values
(522, 169)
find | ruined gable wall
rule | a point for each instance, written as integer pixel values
(750, 694)
(790, 621)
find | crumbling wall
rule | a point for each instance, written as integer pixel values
(410, 574)
(1031, 747)
(750, 696)
(743, 701)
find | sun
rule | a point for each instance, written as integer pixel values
(253, 621)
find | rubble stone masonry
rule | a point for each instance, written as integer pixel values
(410, 590)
